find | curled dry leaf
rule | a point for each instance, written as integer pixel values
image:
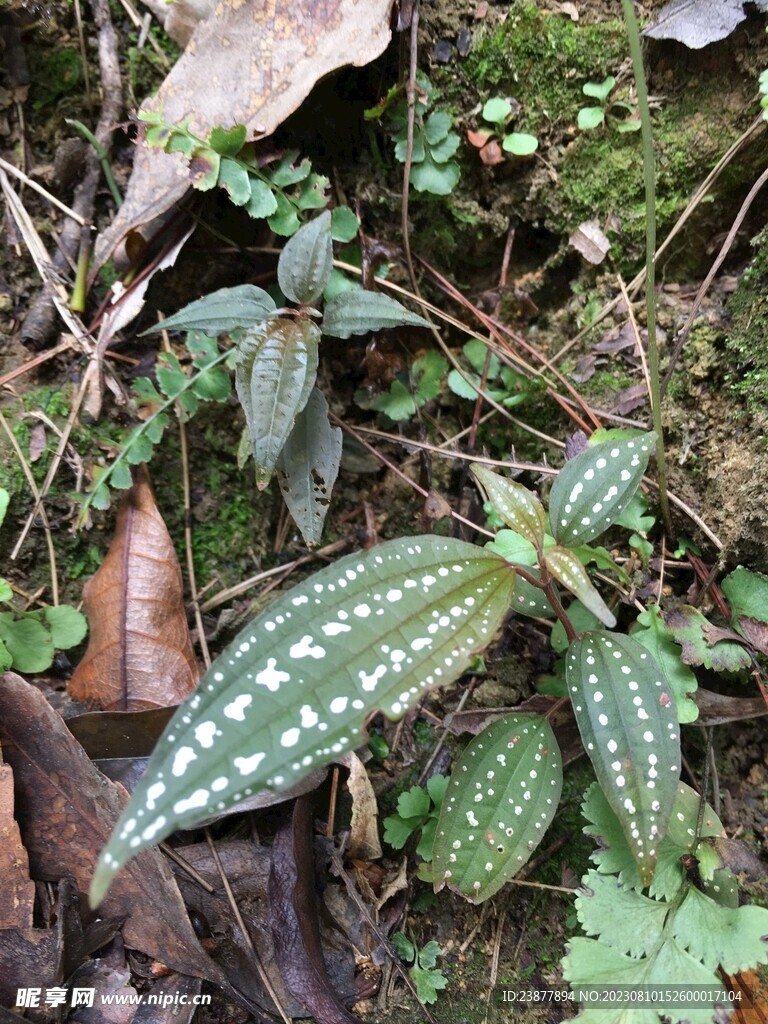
(364, 830)
(140, 652)
(252, 64)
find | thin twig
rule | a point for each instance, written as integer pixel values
(43, 192)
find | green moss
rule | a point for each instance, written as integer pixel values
(747, 342)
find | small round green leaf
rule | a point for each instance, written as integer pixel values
(590, 117)
(628, 724)
(592, 489)
(496, 110)
(520, 144)
(500, 800)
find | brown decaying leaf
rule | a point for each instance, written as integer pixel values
(17, 893)
(250, 63)
(139, 651)
(66, 812)
(293, 916)
(363, 829)
(590, 240)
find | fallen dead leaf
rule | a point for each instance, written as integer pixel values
(66, 813)
(590, 240)
(139, 650)
(492, 154)
(17, 894)
(252, 64)
(363, 829)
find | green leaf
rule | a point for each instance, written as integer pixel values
(284, 221)
(734, 938)
(746, 593)
(429, 953)
(215, 384)
(414, 803)
(528, 599)
(678, 677)
(428, 982)
(344, 224)
(305, 263)
(4, 500)
(404, 947)
(204, 166)
(568, 570)
(308, 466)
(607, 906)
(615, 856)
(274, 376)
(580, 618)
(312, 193)
(476, 352)
(437, 126)
(6, 659)
(628, 723)
(262, 202)
(68, 627)
(501, 798)
(398, 830)
(359, 312)
(595, 487)
(6, 591)
(520, 144)
(443, 151)
(285, 173)
(701, 642)
(427, 841)
(465, 385)
(520, 509)
(419, 149)
(602, 559)
(599, 90)
(436, 787)
(227, 141)
(496, 110)
(398, 403)
(28, 642)
(636, 517)
(590, 117)
(294, 688)
(170, 375)
(224, 310)
(235, 180)
(438, 178)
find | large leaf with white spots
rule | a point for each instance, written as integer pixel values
(628, 722)
(592, 489)
(275, 372)
(500, 801)
(292, 691)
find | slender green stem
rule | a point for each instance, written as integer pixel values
(101, 153)
(649, 174)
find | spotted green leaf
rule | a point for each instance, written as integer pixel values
(500, 800)
(292, 691)
(592, 489)
(274, 375)
(520, 509)
(308, 466)
(628, 724)
(305, 263)
(568, 570)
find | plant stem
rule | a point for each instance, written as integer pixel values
(649, 174)
(102, 156)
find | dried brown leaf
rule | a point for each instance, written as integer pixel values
(363, 830)
(67, 811)
(252, 64)
(590, 240)
(17, 893)
(139, 651)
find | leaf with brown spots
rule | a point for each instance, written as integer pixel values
(139, 652)
(250, 63)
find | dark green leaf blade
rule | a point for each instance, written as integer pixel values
(274, 375)
(308, 467)
(291, 692)
(628, 723)
(305, 263)
(359, 312)
(501, 798)
(593, 488)
(242, 306)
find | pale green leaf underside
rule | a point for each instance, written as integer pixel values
(359, 312)
(291, 692)
(500, 801)
(605, 906)
(568, 570)
(223, 310)
(274, 374)
(308, 467)
(628, 723)
(592, 490)
(732, 937)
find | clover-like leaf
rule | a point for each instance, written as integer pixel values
(680, 679)
(593, 488)
(235, 180)
(628, 723)
(500, 800)
(228, 141)
(245, 305)
(734, 938)
(520, 509)
(292, 691)
(305, 263)
(568, 570)
(274, 374)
